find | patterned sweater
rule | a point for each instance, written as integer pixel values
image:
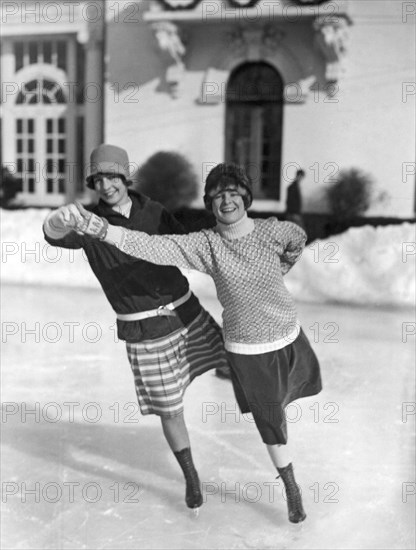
(247, 261)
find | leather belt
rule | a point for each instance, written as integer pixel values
(161, 311)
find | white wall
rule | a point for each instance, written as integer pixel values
(368, 124)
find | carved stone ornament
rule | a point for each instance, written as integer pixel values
(243, 3)
(254, 43)
(236, 42)
(331, 36)
(174, 5)
(169, 41)
(272, 39)
(309, 2)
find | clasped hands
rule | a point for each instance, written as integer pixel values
(76, 217)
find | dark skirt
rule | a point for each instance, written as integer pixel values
(264, 384)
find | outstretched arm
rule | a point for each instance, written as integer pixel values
(187, 251)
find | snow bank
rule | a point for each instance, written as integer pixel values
(365, 265)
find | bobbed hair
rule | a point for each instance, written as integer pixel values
(224, 175)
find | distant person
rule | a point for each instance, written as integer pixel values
(170, 338)
(294, 200)
(272, 361)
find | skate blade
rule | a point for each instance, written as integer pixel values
(194, 512)
(296, 527)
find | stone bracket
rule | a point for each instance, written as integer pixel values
(331, 38)
(168, 37)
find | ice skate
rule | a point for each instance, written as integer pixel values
(193, 495)
(294, 498)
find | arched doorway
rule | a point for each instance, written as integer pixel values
(254, 116)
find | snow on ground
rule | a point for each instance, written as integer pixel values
(365, 265)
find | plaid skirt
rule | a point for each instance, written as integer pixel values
(163, 368)
(264, 384)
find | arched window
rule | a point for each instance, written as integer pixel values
(44, 119)
(41, 137)
(254, 111)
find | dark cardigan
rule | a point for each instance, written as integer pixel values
(133, 285)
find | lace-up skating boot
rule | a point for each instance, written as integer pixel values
(193, 497)
(293, 496)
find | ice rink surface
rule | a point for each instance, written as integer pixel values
(85, 470)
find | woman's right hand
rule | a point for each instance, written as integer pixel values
(65, 217)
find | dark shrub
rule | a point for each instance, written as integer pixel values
(9, 187)
(168, 178)
(351, 194)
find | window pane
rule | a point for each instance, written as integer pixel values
(33, 53)
(49, 145)
(18, 55)
(49, 166)
(19, 126)
(61, 146)
(20, 146)
(80, 73)
(61, 166)
(80, 153)
(61, 188)
(49, 185)
(59, 95)
(49, 126)
(20, 165)
(62, 55)
(31, 145)
(31, 187)
(47, 52)
(61, 125)
(31, 165)
(31, 126)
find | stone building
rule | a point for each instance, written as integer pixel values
(322, 85)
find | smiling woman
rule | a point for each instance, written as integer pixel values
(228, 193)
(111, 189)
(228, 205)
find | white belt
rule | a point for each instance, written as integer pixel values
(160, 311)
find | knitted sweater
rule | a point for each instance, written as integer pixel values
(247, 261)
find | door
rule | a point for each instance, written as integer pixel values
(254, 114)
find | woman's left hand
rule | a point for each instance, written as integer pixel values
(91, 224)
